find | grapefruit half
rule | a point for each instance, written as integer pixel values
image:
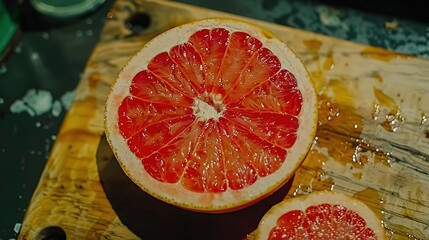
(212, 115)
(323, 216)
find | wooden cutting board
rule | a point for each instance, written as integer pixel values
(372, 140)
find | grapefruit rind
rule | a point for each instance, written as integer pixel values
(175, 193)
(301, 203)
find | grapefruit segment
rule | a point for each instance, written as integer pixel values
(280, 94)
(240, 171)
(190, 64)
(177, 151)
(277, 129)
(205, 168)
(265, 158)
(135, 114)
(165, 68)
(261, 66)
(211, 46)
(212, 115)
(240, 50)
(284, 87)
(147, 87)
(155, 136)
(320, 215)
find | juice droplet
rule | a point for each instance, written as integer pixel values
(424, 119)
(424, 123)
(365, 152)
(329, 61)
(387, 112)
(393, 122)
(360, 157)
(376, 112)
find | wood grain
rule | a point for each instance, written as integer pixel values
(372, 140)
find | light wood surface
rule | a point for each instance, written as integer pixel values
(372, 140)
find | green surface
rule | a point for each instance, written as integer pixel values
(65, 8)
(47, 62)
(46, 66)
(410, 37)
(7, 29)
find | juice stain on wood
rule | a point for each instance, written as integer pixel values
(94, 79)
(317, 77)
(373, 199)
(314, 46)
(393, 119)
(311, 175)
(381, 54)
(339, 133)
(378, 77)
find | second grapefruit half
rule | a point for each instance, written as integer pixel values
(321, 215)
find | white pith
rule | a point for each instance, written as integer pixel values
(204, 111)
(176, 193)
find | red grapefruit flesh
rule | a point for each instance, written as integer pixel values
(324, 216)
(212, 115)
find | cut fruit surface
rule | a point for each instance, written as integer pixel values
(212, 115)
(322, 215)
